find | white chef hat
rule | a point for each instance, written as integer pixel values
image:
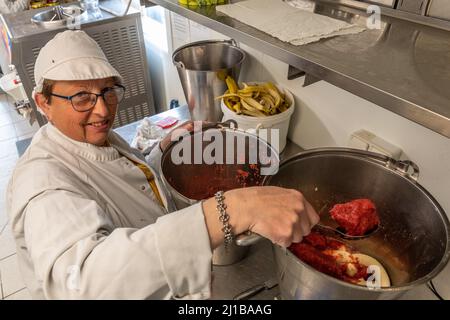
(72, 55)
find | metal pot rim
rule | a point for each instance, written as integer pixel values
(222, 126)
(388, 164)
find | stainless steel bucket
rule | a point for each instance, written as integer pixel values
(187, 182)
(203, 67)
(412, 242)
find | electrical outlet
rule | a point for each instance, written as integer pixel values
(365, 140)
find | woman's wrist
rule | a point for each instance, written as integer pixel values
(212, 222)
(224, 218)
(237, 217)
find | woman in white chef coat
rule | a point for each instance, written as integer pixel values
(88, 213)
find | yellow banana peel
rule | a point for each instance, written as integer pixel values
(231, 84)
(256, 100)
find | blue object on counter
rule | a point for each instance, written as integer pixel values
(174, 104)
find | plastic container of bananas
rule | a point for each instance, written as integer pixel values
(260, 105)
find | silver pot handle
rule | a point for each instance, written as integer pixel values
(401, 166)
(247, 238)
(179, 64)
(230, 123)
(404, 167)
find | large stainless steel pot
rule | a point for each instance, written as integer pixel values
(412, 243)
(182, 178)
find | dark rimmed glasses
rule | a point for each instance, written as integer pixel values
(85, 101)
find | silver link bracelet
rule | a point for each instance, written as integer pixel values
(224, 218)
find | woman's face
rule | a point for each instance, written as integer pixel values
(90, 126)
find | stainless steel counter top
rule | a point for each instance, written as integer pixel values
(258, 266)
(404, 67)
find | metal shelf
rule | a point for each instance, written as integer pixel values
(404, 67)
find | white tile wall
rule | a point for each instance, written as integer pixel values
(252, 68)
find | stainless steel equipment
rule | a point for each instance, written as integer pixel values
(121, 39)
(439, 9)
(413, 242)
(57, 16)
(203, 67)
(191, 180)
(387, 3)
(367, 67)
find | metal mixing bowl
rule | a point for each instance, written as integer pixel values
(189, 182)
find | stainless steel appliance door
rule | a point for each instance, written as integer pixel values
(387, 3)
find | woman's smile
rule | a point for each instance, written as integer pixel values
(99, 126)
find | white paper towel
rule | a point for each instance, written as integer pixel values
(287, 23)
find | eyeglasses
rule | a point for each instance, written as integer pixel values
(85, 101)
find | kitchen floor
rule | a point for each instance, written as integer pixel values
(13, 127)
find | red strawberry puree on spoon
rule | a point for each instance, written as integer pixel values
(356, 217)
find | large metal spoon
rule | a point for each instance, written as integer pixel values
(342, 234)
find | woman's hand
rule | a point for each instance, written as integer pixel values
(281, 215)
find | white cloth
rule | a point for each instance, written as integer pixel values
(87, 225)
(287, 23)
(71, 55)
(148, 135)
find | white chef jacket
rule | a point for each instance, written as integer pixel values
(88, 226)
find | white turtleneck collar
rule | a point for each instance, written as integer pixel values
(88, 150)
